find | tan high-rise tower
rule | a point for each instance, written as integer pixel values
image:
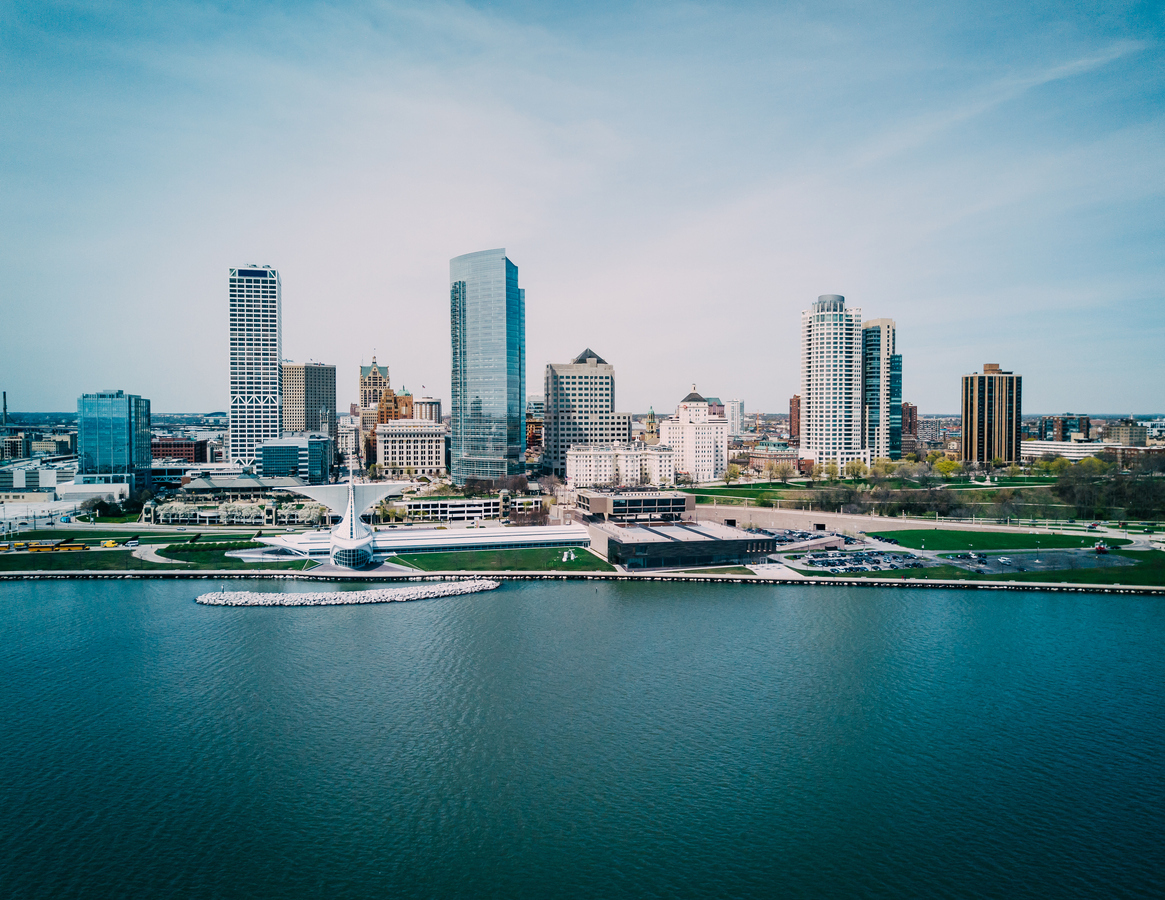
(992, 403)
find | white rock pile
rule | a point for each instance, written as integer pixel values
(340, 598)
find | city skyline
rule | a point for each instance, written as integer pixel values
(988, 178)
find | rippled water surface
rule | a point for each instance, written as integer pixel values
(576, 740)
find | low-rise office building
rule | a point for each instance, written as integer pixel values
(470, 509)
(633, 505)
(304, 456)
(678, 545)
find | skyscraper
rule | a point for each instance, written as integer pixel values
(831, 382)
(256, 360)
(734, 412)
(795, 420)
(992, 404)
(882, 390)
(113, 439)
(487, 313)
(579, 408)
(309, 398)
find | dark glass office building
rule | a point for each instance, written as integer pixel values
(487, 312)
(113, 439)
(881, 390)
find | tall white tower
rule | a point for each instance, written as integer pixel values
(831, 382)
(256, 360)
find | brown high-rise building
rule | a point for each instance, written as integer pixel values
(992, 403)
(795, 419)
(309, 398)
(909, 419)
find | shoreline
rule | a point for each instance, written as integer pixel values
(289, 574)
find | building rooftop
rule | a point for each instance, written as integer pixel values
(589, 354)
(677, 532)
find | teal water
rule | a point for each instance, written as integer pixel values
(582, 740)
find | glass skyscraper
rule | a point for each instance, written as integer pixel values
(882, 389)
(113, 439)
(487, 318)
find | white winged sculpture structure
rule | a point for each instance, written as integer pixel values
(351, 544)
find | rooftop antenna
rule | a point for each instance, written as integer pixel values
(5, 422)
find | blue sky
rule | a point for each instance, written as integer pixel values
(675, 182)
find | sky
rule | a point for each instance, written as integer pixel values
(675, 181)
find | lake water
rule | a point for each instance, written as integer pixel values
(582, 740)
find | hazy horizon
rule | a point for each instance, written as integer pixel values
(675, 183)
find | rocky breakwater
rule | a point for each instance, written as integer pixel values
(341, 598)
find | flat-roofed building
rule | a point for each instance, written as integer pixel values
(678, 545)
(427, 408)
(256, 347)
(472, 509)
(113, 439)
(411, 447)
(304, 456)
(992, 405)
(620, 464)
(309, 398)
(186, 449)
(632, 505)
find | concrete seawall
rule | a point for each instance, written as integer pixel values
(916, 583)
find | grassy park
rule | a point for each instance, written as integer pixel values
(938, 539)
(124, 561)
(541, 560)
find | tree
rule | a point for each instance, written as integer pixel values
(816, 472)
(855, 469)
(732, 473)
(374, 471)
(784, 470)
(948, 468)
(770, 470)
(831, 470)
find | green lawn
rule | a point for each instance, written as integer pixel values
(938, 539)
(752, 491)
(123, 560)
(507, 560)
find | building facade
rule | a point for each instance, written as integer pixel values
(309, 398)
(699, 439)
(795, 420)
(306, 456)
(579, 408)
(881, 390)
(487, 312)
(992, 404)
(831, 382)
(619, 464)
(410, 448)
(1127, 433)
(909, 420)
(113, 439)
(256, 319)
(427, 408)
(734, 412)
(180, 448)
